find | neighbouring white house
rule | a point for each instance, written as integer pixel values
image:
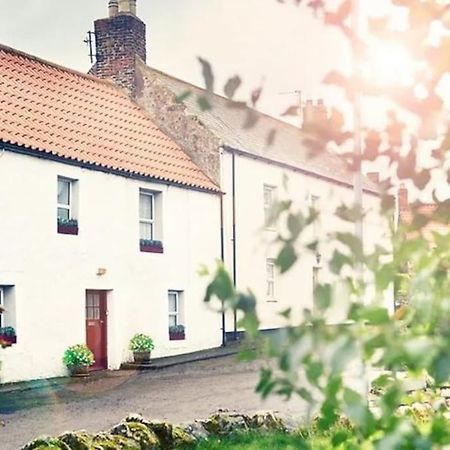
(248, 154)
(105, 223)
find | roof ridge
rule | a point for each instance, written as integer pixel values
(287, 126)
(226, 99)
(56, 66)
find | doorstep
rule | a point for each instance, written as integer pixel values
(169, 361)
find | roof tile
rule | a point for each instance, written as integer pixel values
(54, 110)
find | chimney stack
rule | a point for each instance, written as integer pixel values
(314, 115)
(119, 40)
(113, 8)
(374, 177)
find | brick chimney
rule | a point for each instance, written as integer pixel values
(119, 39)
(314, 115)
(403, 202)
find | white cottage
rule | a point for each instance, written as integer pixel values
(105, 222)
(248, 154)
(120, 201)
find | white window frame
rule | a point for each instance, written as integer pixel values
(267, 188)
(145, 220)
(270, 280)
(2, 303)
(177, 313)
(67, 207)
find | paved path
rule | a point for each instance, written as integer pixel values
(179, 394)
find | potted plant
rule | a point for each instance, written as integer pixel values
(151, 246)
(78, 358)
(141, 345)
(176, 333)
(67, 226)
(7, 336)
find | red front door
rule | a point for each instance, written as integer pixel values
(96, 323)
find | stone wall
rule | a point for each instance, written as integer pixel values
(171, 117)
(137, 433)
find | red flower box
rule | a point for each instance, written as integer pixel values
(151, 246)
(68, 229)
(7, 341)
(179, 336)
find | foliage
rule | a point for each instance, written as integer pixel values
(7, 331)
(141, 343)
(316, 361)
(67, 222)
(177, 329)
(78, 356)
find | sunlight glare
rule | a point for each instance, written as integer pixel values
(388, 64)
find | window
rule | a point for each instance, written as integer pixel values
(270, 279)
(147, 215)
(67, 223)
(269, 200)
(7, 319)
(174, 309)
(2, 306)
(64, 199)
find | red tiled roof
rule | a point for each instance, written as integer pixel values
(57, 111)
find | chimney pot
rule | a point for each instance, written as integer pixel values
(113, 8)
(374, 177)
(127, 6)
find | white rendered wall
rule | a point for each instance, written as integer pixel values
(253, 241)
(51, 272)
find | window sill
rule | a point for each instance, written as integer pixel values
(66, 229)
(151, 249)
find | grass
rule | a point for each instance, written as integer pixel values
(265, 441)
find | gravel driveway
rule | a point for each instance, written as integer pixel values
(178, 394)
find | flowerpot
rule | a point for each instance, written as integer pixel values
(68, 229)
(177, 336)
(151, 249)
(4, 343)
(79, 371)
(141, 357)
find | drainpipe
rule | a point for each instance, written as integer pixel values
(222, 257)
(233, 190)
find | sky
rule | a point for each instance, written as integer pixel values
(282, 46)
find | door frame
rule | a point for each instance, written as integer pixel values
(103, 306)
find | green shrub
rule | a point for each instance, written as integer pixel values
(141, 343)
(78, 355)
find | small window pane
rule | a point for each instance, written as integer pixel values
(63, 214)
(146, 231)
(268, 196)
(64, 192)
(146, 206)
(269, 270)
(173, 307)
(172, 321)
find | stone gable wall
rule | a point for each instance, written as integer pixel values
(171, 117)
